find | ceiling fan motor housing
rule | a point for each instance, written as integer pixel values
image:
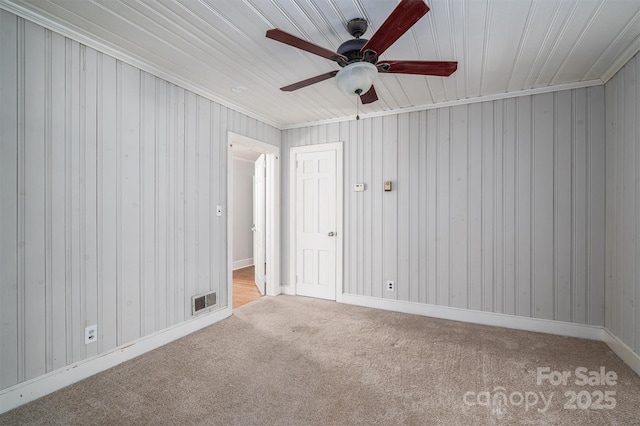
(351, 49)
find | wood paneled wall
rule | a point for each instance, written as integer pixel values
(623, 205)
(496, 206)
(109, 182)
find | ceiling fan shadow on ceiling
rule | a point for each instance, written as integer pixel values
(360, 58)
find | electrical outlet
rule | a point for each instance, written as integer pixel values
(391, 286)
(91, 334)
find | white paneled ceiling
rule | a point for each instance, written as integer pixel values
(216, 46)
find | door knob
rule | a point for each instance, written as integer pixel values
(253, 228)
(331, 234)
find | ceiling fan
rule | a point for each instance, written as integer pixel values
(360, 58)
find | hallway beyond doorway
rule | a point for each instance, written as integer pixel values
(244, 287)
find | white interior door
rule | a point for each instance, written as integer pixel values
(316, 210)
(259, 223)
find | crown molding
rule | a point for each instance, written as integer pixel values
(485, 98)
(621, 61)
(39, 17)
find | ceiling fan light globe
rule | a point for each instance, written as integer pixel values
(356, 78)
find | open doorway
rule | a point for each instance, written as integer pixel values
(254, 218)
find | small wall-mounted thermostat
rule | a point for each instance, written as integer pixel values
(358, 187)
(387, 185)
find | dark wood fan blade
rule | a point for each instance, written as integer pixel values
(438, 68)
(370, 96)
(407, 13)
(309, 81)
(291, 40)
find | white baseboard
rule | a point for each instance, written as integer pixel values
(582, 331)
(40, 386)
(625, 353)
(30, 390)
(478, 317)
(287, 290)
(242, 263)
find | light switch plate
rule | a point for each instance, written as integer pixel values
(358, 187)
(219, 211)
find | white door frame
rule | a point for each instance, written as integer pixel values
(272, 248)
(259, 222)
(293, 154)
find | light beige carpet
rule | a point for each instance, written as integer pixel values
(299, 361)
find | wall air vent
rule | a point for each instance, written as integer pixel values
(203, 302)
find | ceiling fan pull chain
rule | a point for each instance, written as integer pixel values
(357, 108)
